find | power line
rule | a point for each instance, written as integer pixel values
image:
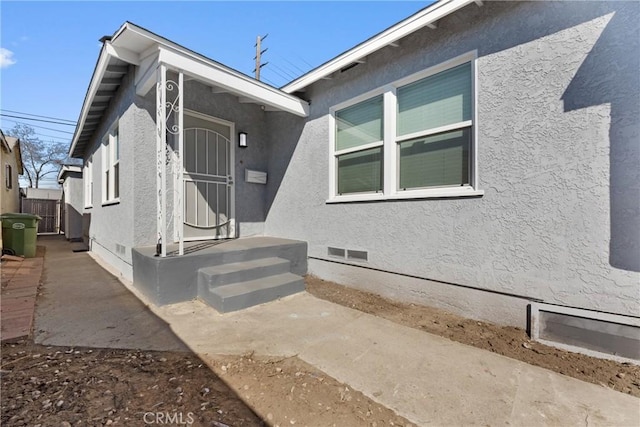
(36, 115)
(273, 70)
(305, 61)
(289, 74)
(269, 81)
(36, 126)
(37, 120)
(292, 64)
(52, 136)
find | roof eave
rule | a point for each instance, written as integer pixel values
(98, 72)
(231, 79)
(426, 17)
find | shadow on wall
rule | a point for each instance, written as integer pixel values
(86, 228)
(610, 75)
(74, 229)
(284, 132)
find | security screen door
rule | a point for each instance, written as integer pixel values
(208, 179)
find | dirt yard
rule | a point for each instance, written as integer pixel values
(58, 386)
(507, 341)
(288, 392)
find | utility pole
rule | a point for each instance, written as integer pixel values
(259, 53)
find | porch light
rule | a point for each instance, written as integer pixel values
(242, 139)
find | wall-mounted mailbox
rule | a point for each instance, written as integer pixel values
(255, 177)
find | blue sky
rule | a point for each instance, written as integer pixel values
(48, 49)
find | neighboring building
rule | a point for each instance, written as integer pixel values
(11, 164)
(70, 177)
(479, 157)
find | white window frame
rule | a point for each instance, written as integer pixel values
(109, 162)
(87, 174)
(391, 158)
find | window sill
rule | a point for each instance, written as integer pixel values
(111, 202)
(88, 207)
(437, 193)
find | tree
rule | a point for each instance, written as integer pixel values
(39, 158)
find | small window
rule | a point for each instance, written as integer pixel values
(111, 166)
(87, 178)
(8, 177)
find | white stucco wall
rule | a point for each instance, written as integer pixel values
(110, 227)
(73, 196)
(558, 130)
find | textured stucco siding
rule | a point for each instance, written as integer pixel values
(144, 173)
(558, 155)
(113, 224)
(74, 204)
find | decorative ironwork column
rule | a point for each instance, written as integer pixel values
(179, 185)
(169, 120)
(161, 156)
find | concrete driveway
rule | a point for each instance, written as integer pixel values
(81, 304)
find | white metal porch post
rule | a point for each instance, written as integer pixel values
(179, 209)
(161, 157)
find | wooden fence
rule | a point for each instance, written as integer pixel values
(48, 210)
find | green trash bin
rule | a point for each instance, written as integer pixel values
(19, 233)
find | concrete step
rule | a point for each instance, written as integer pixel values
(156, 277)
(225, 274)
(237, 296)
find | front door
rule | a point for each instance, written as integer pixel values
(208, 178)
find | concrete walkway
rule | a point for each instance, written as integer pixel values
(428, 379)
(81, 304)
(20, 280)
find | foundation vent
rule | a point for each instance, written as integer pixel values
(336, 252)
(604, 335)
(120, 249)
(357, 255)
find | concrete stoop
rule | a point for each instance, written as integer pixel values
(228, 275)
(238, 285)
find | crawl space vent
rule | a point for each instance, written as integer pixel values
(357, 255)
(604, 335)
(336, 252)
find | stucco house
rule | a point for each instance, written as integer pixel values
(481, 157)
(11, 164)
(70, 178)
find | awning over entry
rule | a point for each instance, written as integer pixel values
(132, 45)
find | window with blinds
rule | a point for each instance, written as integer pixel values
(433, 129)
(412, 138)
(358, 150)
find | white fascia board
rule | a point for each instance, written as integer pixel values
(242, 87)
(421, 19)
(101, 67)
(146, 74)
(122, 53)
